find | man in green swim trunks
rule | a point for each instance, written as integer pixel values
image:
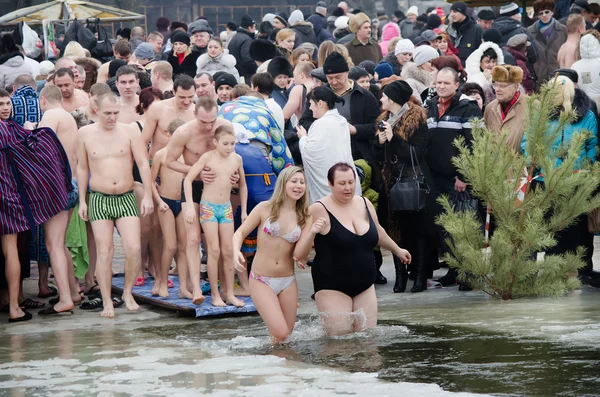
(106, 151)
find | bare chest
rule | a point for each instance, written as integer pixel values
(195, 148)
(101, 148)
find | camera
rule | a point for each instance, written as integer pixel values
(381, 126)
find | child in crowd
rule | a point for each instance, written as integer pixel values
(168, 199)
(216, 215)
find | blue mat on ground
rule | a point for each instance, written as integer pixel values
(175, 303)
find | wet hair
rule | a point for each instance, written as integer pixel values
(173, 125)
(184, 82)
(263, 82)
(448, 61)
(64, 71)
(279, 195)
(122, 47)
(51, 93)
(223, 130)
(124, 70)
(4, 93)
(326, 95)
(99, 89)
(147, 97)
(206, 103)
(240, 90)
(343, 167)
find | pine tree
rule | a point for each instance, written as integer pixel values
(509, 269)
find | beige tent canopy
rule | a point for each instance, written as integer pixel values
(66, 10)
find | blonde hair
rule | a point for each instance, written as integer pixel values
(565, 92)
(279, 196)
(392, 44)
(74, 50)
(344, 51)
(284, 34)
(326, 48)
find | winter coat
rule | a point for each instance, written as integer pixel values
(343, 36)
(522, 62)
(239, 47)
(327, 143)
(390, 31)
(365, 174)
(514, 122)
(391, 58)
(305, 33)
(13, 65)
(188, 66)
(509, 27)
(588, 66)
(383, 20)
(455, 122)
(585, 121)
(474, 73)
(364, 110)
(221, 63)
(508, 58)
(467, 39)
(364, 52)
(406, 28)
(319, 23)
(91, 66)
(418, 79)
(547, 49)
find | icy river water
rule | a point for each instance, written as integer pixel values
(438, 343)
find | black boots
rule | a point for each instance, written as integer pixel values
(380, 279)
(420, 284)
(449, 279)
(401, 276)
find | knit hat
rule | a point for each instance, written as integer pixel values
(282, 17)
(542, 5)
(262, 50)
(225, 79)
(492, 35)
(342, 22)
(509, 9)
(46, 67)
(568, 73)
(180, 37)
(280, 65)
(247, 21)
(486, 15)
(433, 21)
(424, 54)
(231, 25)
(296, 17)
(338, 12)
(162, 23)
(459, 6)
(114, 65)
(358, 20)
(507, 74)
(144, 51)
(269, 17)
(517, 40)
(369, 66)
(335, 63)
(404, 46)
(412, 10)
(318, 74)
(357, 72)
(384, 70)
(398, 91)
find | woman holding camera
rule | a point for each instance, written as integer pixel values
(404, 135)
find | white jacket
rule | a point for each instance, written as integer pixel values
(588, 67)
(13, 68)
(327, 143)
(474, 73)
(224, 62)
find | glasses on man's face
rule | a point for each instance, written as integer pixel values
(543, 13)
(500, 85)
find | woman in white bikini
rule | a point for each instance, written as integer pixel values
(280, 221)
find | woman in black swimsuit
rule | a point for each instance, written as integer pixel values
(345, 230)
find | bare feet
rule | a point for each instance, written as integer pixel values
(198, 299)
(173, 272)
(163, 291)
(108, 311)
(217, 301)
(241, 292)
(62, 307)
(184, 294)
(155, 288)
(232, 300)
(130, 303)
(15, 312)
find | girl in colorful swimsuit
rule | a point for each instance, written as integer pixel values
(280, 222)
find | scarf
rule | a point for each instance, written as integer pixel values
(181, 57)
(396, 117)
(443, 105)
(509, 106)
(546, 29)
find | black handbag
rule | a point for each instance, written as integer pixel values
(409, 193)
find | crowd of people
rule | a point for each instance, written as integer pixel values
(266, 141)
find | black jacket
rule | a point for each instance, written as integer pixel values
(467, 38)
(365, 110)
(455, 122)
(391, 58)
(239, 47)
(305, 33)
(187, 67)
(510, 27)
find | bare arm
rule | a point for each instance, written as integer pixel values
(154, 171)
(175, 149)
(304, 245)
(102, 74)
(151, 123)
(251, 223)
(293, 103)
(243, 187)
(83, 172)
(49, 122)
(139, 155)
(191, 176)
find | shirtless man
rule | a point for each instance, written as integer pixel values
(205, 86)
(89, 113)
(106, 150)
(161, 113)
(128, 84)
(73, 99)
(162, 78)
(575, 28)
(192, 140)
(122, 50)
(61, 122)
(80, 78)
(303, 80)
(69, 64)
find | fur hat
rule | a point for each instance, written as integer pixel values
(541, 5)
(262, 50)
(357, 21)
(280, 65)
(507, 74)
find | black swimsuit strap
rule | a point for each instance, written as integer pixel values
(140, 126)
